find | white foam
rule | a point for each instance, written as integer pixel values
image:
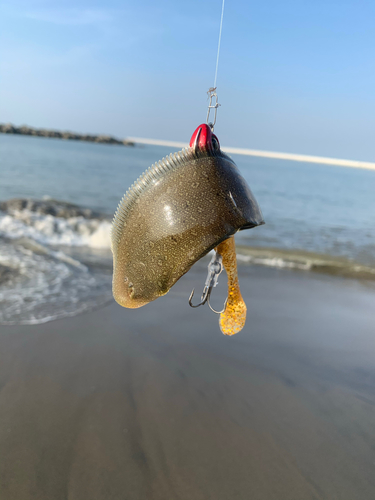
(276, 262)
(45, 286)
(50, 230)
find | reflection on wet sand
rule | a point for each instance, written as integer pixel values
(157, 404)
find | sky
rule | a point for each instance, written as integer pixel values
(293, 76)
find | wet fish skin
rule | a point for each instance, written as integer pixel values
(177, 212)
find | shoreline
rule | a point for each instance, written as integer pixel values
(65, 249)
(303, 260)
(272, 256)
(271, 260)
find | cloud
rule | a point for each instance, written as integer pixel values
(119, 26)
(31, 59)
(71, 16)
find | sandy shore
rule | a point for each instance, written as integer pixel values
(156, 403)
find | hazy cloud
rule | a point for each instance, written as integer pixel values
(71, 16)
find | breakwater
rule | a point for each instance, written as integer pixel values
(8, 128)
(266, 154)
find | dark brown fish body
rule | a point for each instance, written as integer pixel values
(174, 214)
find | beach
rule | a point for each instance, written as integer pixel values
(156, 403)
(138, 142)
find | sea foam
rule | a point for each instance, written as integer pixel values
(50, 230)
(52, 264)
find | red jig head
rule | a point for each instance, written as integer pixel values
(203, 138)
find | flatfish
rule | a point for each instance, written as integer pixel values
(177, 211)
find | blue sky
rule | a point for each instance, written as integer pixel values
(294, 76)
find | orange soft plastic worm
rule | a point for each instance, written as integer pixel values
(233, 319)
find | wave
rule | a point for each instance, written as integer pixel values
(52, 222)
(55, 260)
(306, 261)
(38, 284)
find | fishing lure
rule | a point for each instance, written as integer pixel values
(177, 211)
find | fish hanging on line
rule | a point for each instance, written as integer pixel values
(176, 212)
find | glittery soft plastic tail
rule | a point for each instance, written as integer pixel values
(233, 319)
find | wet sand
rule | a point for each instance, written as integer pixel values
(156, 403)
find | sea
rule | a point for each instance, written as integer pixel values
(55, 257)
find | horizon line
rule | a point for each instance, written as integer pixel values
(266, 154)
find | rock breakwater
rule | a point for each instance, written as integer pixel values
(8, 128)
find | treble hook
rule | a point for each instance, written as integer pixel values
(215, 268)
(211, 94)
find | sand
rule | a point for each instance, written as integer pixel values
(156, 403)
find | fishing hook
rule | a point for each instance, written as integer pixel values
(215, 267)
(211, 95)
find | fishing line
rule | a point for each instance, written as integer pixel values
(214, 104)
(218, 47)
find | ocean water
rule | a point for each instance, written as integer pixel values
(53, 265)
